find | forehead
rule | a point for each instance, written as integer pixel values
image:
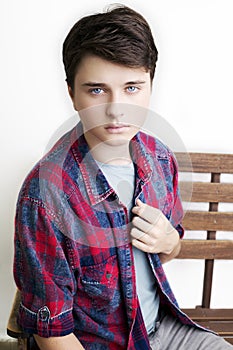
(97, 69)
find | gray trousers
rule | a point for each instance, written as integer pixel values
(172, 335)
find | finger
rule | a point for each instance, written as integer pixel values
(142, 225)
(139, 245)
(147, 212)
(137, 234)
(142, 236)
(143, 247)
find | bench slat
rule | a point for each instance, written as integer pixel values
(206, 249)
(222, 328)
(203, 192)
(208, 221)
(229, 339)
(205, 162)
(213, 192)
(218, 320)
(200, 313)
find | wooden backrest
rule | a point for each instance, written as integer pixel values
(212, 220)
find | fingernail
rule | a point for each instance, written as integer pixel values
(135, 209)
(139, 202)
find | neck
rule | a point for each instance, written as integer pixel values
(112, 154)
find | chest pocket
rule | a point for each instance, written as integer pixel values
(99, 286)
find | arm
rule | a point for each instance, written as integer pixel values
(42, 273)
(59, 343)
(167, 257)
(153, 233)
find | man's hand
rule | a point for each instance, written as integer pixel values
(153, 233)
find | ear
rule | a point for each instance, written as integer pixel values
(71, 93)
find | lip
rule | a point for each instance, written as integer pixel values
(117, 128)
(116, 125)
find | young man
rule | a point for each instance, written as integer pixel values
(101, 212)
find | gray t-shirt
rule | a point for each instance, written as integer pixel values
(121, 178)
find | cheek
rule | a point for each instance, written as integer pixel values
(93, 116)
(85, 101)
(136, 114)
(80, 102)
(145, 99)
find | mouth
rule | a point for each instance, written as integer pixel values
(117, 128)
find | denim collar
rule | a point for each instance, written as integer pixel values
(95, 182)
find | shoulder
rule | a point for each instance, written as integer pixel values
(49, 172)
(156, 147)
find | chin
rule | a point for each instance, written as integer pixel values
(117, 141)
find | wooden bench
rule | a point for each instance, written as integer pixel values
(211, 221)
(209, 249)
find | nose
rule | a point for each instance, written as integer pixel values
(115, 110)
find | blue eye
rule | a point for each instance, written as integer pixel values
(132, 88)
(96, 91)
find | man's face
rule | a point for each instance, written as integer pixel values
(111, 99)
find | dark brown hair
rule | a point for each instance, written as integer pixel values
(119, 35)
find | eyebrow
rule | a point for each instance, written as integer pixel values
(96, 84)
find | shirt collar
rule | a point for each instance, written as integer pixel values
(95, 182)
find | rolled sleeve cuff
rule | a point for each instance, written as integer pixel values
(43, 324)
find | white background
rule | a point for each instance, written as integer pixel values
(192, 91)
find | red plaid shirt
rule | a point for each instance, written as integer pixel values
(73, 256)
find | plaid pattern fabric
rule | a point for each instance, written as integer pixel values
(73, 257)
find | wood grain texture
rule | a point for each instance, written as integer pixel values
(205, 162)
(208, 221)
(206, 192)
(206, 249)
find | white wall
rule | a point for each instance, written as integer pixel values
(193, 92)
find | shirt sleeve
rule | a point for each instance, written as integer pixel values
(42, 271)
(177, 210)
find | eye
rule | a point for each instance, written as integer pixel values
(132, 89)
(96, 91)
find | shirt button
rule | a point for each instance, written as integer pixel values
(108, 275)
(44, 313)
